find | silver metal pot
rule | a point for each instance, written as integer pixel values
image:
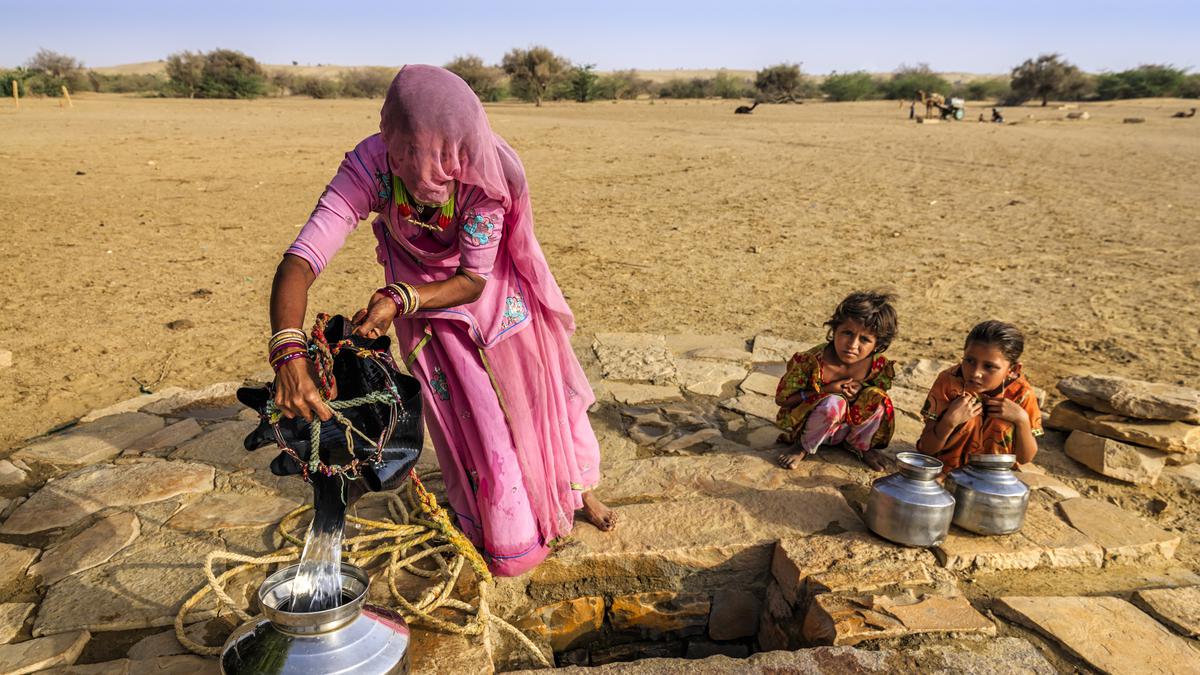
(989, 498)
(351, 638)
(910, 507)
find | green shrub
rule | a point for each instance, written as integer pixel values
(131, 83)
(907, 81)
(316, 86)
(857, 86)
(727, 86)
(486, 81)
(993, 89)
(783, 82)
(534, 73)
(581, 82)
(1190, 87)
(365, 82)
(621, 84)
(1146, 81)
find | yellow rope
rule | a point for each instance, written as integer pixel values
(418, 530)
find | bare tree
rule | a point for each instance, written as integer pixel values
(53, 63)
(534, 71)
(1046, 76)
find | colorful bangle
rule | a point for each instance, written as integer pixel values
(291, 356)
(285, 347)
(404, 295)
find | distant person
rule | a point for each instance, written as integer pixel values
(997, 117)
(912, 110)
(479, 318)
(984, 404)
(836, 392)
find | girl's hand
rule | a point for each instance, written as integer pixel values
(1006, 409)
(962, 409)
(851, 388)
(835, 387)
(376, 320)
(296, 393)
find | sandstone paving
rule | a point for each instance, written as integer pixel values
(908, 401)
(1047, 485)
(1186, 476)
(1109, 634)
(760, 383)
(835, 619)
(713, 474)
(1125, 537)
(635, 357)
(166, 438)
(218, 394)
(659, 612)
(89, 548)
(42, 653)
(753, 404)
(1178, 608)
(919, 374)
(566, 624)
(221, 445)
(633, 393)
(141, 587)
(12, 619)
(12, 475)
(89, 443)
(77, 495)
(1044, 540)
(1122, 461)
(731, 354)
(180, 664)
(131, 404)
(1133, 398)
(708, 378)
(770, 348)
(434, 653)
(219, 511)
(726, 347)
(1181, 437)
(14, 561)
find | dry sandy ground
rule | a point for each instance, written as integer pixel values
(124, 214)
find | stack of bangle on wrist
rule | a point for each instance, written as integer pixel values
(287, 345)
(404, 295)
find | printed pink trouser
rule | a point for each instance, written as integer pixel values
(827, 424)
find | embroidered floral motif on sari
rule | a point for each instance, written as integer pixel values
(479, 229)
(438, 384)
(514, 312)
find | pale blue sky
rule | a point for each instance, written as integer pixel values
(973, 36)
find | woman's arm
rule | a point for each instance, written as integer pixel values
(461, 289)
(296, 393)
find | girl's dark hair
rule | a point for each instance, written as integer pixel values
(1003, 336)
(873, 309)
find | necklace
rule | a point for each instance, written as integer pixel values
(407, 205)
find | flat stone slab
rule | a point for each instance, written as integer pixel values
(223, 511)
(1122, 461)
(638, 357)
(908, 401)
(1043, 541)
(756, 405)
(1108, 634)
(219, 394)
(90, 443)
(131, 404)
(42, 653)
(12, 619)
(732, 354)
(919, 374)
(837, 620)
(182, 664)
(706, 538)
(14, 560)
(1125, 538)
(89, 548)
(714, 474)
(166, 438)
(12, 475)
(1165, 436)
(1186, 476)
(708, 378)
(566, 624)
(1047, 485)
(760, 383)
(659, 612)
(222, 445)
(1178, 608)
(768, 348)
(627, 393)
(141, 587)
(434, 652)
(75, 496)
(1133, 398)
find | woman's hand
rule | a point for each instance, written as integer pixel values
(376, 320)
(1006, 409)
(296, 393)
(962, 409)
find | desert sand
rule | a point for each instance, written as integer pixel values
(122, 215)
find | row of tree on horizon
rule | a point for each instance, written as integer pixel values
(536, 74)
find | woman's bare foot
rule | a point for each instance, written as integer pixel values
(873, 460)
(596, 513)
(791, 459)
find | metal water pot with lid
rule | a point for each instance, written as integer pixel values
(989, 497)
(351, 638)
(910, 507)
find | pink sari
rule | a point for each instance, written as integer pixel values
(505, 399)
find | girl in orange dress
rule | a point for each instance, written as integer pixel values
(836, 392)
(983, 405)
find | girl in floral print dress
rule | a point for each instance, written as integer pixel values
(836, 392)
(477, 314)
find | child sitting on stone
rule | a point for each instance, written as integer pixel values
(983, 405)
(836, 392)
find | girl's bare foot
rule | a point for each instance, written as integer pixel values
(789, 460)
(596, 513)
(873, 460)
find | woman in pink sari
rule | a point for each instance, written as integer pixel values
(478, 315)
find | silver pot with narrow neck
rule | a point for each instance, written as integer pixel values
(353, 637)
(909, 507)
(989, 498)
